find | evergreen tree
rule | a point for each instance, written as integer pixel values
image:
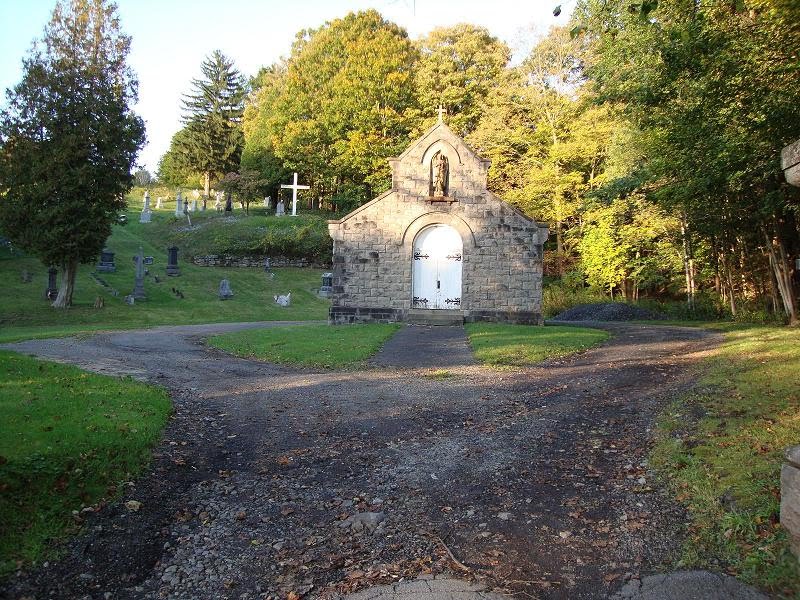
(68, 140)
(213, 141)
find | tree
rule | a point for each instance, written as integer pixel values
(458, 68)
(68, 140)
(142, 177)
(246, 186)
(714, 86)
(174, 168)
(213, 140)
(340, 109)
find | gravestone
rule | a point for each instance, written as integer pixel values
(218, 203)
(186, 206)
(138, 282)
(283, 300)
(172, 262)
(280, 210)
(159, 203)
(326, 288)
(148, 260)
(52, 284)
(106, 264)
(225, 291)
(146, 212)
(193, 208)
(129, 300)
(178, 204)
(229, 201)
(268, 202)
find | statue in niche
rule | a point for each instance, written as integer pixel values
(440, 171)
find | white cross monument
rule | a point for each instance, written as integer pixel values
(294, 187)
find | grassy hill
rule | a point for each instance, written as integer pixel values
(24, 312)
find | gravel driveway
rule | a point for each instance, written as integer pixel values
(287, 483)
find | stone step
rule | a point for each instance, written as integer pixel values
(420, 316)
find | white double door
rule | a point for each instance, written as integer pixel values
(436, 271)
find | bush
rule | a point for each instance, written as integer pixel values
(558, 297)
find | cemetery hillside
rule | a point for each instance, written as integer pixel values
(401, 305)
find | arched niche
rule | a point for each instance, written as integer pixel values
(439, 218)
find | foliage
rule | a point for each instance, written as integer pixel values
(562, 294)
(69, 440)
(520, 345)
(713, 87)
(721, 448)
(627, 245)
(325, 346)
(142, 177)
(458, 67)
(68, 140)
(174, 168)
(247, 186)
(212, 140)
(339, 110)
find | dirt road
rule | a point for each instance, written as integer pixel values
(272, 480)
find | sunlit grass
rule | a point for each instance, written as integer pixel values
(722, 448)
(68, 439)
(326, 346)
(519, 345)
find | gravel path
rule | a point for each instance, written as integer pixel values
(274, 482)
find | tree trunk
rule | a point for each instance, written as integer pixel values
(206, 186)
(559, 249)
(783, 277)
(726, 266)
(64, 298)
(688, 263)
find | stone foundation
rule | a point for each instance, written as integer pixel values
(502, 316)
(790, 497)
(227, 260)
(344, 315)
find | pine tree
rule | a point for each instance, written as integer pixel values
(213, 113)
(68, 140)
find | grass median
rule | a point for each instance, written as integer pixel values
(68, 440)
(326, 346)
(502, 345)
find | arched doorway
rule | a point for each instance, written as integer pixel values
(436, 270)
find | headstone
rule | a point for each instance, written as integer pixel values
(280, 210)
(268, 202)
(284, 300)
(52, 284)
(186, 206)
(138, 284)
(130, 300)
(178, 204)
(172, 262)
(225, 291)
(159, 203)
(148, 260)
(327, 285)
(106, 264)
(27, 276)
(193, 207)
(218, 203)
(229, 201)
(122, 219)
(146, 212)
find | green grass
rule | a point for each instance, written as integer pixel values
(520, 345)
(68, 439)
(721, 449)
(326, 346)
(25, 313)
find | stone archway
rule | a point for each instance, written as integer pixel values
(437, 257)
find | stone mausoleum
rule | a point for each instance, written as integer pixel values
(438, 247)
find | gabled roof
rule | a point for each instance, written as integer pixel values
(444, 131)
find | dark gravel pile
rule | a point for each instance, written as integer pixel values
(608, 311)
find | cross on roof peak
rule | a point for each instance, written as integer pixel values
(442, 111)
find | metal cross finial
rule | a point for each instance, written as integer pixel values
(442, 111)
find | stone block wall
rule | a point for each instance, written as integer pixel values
(373, 245)
(227, 260)
(790, 497)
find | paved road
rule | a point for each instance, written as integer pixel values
(279, 482)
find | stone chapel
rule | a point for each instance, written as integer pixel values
(438, 247)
